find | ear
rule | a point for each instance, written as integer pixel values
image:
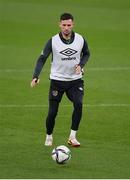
(72, 24)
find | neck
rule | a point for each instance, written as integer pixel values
(66, 36)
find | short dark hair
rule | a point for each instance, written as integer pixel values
(66, 16)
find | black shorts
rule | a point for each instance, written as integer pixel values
(73, 89)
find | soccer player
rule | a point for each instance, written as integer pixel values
(69, 55)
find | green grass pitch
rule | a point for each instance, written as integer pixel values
(25, 26)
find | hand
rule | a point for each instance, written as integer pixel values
(78, 69)
(34, 82)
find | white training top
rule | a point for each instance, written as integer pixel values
(65, 57)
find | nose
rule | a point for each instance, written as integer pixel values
(66, 27)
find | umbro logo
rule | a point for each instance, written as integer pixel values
(68, 52)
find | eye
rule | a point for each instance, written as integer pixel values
(68, 25)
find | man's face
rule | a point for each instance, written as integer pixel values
(66, 26)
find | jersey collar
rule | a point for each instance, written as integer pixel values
(67, 41)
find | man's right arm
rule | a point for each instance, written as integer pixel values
(42, 59)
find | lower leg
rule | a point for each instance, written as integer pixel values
(50, 120)
(76, 117)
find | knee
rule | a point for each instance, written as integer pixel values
(53, 109)
(78, 104)
(52, 113)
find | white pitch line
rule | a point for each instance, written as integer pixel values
(109, 69)
(16, 70)
(62, 105)
(107, 105)
(89, 69)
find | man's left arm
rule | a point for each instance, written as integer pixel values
(85, 54)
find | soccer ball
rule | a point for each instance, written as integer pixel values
(61, 154)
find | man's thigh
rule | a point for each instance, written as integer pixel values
(55, 93)
(76, 92)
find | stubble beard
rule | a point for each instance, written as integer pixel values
(66, 35)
